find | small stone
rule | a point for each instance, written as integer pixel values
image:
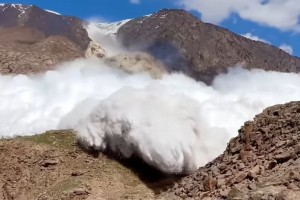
(283, 157)
(48, 163)
(254, 171)
(76, 173)
(240, 177)
(209, 183)
(80, 191)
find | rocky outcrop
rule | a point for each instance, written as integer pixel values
(201, 50)
(263, 162)
(136, 62)
(47, 22)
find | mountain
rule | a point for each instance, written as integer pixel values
(34, 40)
(201, 50)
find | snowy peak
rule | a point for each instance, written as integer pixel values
(21, 8)
(111, 28)
(14, 9)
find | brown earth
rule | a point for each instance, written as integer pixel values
(25, 50)
(51, 166)
(262, 162)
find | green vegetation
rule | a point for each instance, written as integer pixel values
(61, 138)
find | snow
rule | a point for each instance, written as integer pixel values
(163, 16)
(50, 11)
(144, 17)
(111, 28)
(21, 8)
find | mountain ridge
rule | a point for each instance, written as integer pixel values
(199, 49)
(34, 40)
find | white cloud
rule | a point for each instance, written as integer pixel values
(286, 48)
(254, 37)
(135, 1)
(280, 14)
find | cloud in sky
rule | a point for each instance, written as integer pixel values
(280, 14)
(286, 48)
(135, 1)
(254, 37)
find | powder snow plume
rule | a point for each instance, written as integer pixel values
(175, 123)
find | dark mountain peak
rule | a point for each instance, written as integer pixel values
(20, 7)
(48, 22)
(34, 40)
(202, 50)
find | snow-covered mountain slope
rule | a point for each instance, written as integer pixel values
(111, 28)
(21, 8)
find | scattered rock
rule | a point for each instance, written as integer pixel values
(48, 163)
(262, 162)
(76, 173)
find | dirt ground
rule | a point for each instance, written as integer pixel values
(52, 166)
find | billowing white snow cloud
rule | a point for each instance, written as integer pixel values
(287, 48)
(174, 123)
(254, 37)
(280, 14)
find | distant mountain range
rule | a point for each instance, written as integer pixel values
(33, 40)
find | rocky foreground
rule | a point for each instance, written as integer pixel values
(52, 166)
(263, 162)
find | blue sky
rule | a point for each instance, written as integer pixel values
(274, 21)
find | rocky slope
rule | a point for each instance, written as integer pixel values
(202, 50)
(51, 166)
(262, 162)
(34, 40)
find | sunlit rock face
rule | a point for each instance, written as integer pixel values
(137, 63)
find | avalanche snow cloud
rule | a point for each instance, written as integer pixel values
(175, 123)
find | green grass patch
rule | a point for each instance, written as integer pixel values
(61, 138)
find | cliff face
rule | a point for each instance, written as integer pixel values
(201, 50)
(34, 40)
